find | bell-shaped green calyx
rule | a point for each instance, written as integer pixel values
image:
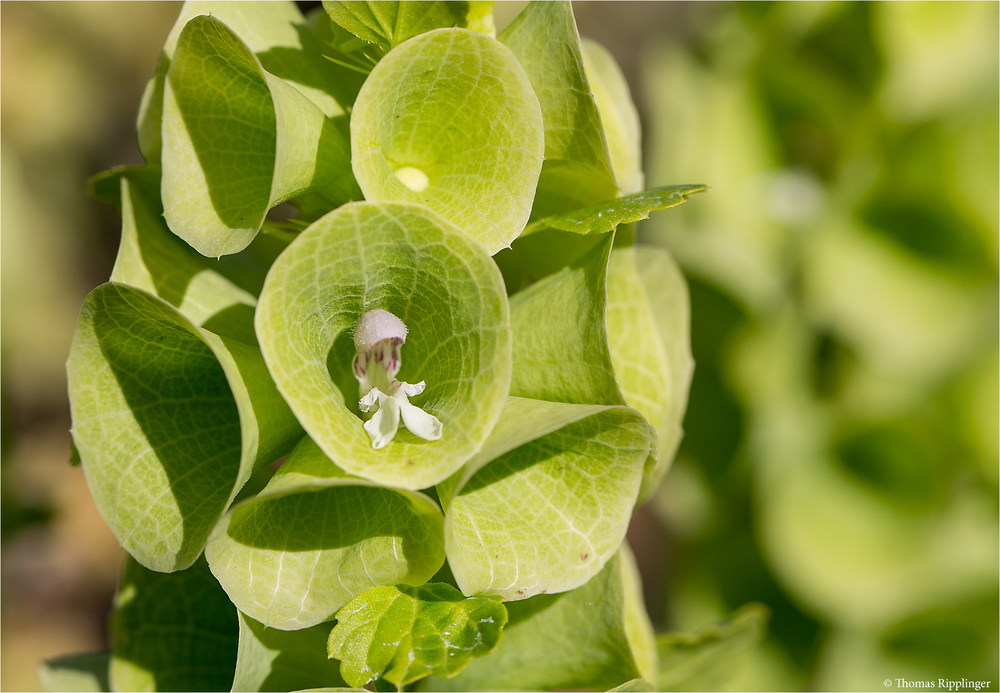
(237, 140)
(649, 323)
(314, 538)
(547, 501)
(449, 120)
(409, 261)
(577, 170)
(169, 419)
(592, 638)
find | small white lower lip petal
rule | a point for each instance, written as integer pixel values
(419, 422)
(383, 425)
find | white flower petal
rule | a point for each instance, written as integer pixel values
(412, 390)
(418, 421)
(368, 401)
(383, 425)
(376, 325)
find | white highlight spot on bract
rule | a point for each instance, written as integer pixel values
(413, 178)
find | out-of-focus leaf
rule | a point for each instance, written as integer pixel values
(84, 673)
(401, 635)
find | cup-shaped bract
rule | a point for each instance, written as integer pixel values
(448, 119)
(413, 263)
(314, 539)
(547, 501)
(237, 141)
(169, 419)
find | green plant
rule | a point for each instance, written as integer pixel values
(459, 209)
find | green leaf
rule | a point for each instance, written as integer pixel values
(607, 216)
(279, 660)
(546, 503)
(237, 141)
(649, 322)
(574, 640)
(408, 260)
(560, 347)
(86, 672)
(314, 539)
(279, 36)
(401, 635)
(175, 632)
(449, 120)
(388, 24)
(618, 115)
(697, 661)
(633, 685)
(577, 170)
(169, 421)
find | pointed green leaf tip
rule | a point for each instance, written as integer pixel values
(401, 635)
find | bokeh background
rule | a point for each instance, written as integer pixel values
(840, 465)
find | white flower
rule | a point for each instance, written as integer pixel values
(378, 337)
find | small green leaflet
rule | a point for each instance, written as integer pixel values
(607, 216)
(402, 634)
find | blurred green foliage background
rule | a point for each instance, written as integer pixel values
(841, 458)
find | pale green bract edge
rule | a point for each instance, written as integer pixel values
(449, 120)
(155, 260)
(388, 24)
(638, 628)
(573, 640)
(307, 544)
(169, 419)
(692, 661)
(560, 349)
(401, 635)
(633, 685)
(410, 261)
(619, 116)
(86, 673)
(577, 170)
(189, 646)
(275, 32)
(237, 141)
(649, 322)
(277, 660)
(547, 514)
(607, 216)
